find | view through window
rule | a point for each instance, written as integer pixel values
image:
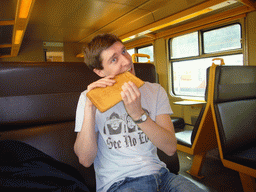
(189, 64)
(146, 50)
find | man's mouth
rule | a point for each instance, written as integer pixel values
(129, 70)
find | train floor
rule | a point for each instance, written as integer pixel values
(216, 176)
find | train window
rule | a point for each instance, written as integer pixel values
(52, 56)
(131, 51)
(225, 38)
(189, 76)
(146, 50)
(185, 45)
(188, 67)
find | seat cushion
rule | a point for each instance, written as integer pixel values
(25, 167)
(184, 137)
(55, 140)
(244, 156)
(172, 162)
(236, 124)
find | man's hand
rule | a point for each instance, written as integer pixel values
(131, 97)
(103, 82)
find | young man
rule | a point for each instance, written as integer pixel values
(122, 142)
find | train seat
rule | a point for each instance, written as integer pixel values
(178, 123)
(186, 137)
(201, 139)
(38, 104)
(234, 101)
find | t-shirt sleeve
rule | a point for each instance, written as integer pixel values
(163, 104)
(80, 113)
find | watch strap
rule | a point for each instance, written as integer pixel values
(141, 119)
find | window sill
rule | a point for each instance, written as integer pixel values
(188, 98)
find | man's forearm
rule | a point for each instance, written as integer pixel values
(86, 142)
(161, 134)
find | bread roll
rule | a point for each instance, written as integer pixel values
(106, 97)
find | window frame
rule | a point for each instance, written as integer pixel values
(202, 54)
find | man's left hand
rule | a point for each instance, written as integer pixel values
(131, 97)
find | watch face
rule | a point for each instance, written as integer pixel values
(144, 117)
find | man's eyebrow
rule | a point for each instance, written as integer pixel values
(114, 55)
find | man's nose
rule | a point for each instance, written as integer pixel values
(126, 59)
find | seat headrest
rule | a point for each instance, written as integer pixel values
(34, 78)
(146, 72)
(234, 83)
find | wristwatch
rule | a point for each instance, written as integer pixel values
(142, 118)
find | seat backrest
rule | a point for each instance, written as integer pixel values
(199, 118)
(196, 126)
(146, 72)
(235, 106)
(40, 92)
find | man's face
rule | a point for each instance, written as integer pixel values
(116, 60)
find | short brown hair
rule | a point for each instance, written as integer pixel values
(92, 52)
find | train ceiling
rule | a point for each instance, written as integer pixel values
(25, 21)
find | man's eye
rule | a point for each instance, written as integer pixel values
(114, 60)
(124, 51)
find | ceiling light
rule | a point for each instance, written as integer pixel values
(182, 19)
(187, 17)
(190, 16)
(24, 8)
(126, 39)
(18, 36)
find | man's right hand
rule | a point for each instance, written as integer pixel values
(103, 82)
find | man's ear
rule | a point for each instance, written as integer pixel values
(99, 72)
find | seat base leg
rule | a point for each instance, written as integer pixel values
(248, 182)
(198, 161)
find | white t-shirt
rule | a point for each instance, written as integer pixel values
(123, 149)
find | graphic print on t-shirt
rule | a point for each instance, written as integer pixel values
(114, 125)
(123, 132)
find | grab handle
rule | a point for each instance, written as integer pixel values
(139, 55)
